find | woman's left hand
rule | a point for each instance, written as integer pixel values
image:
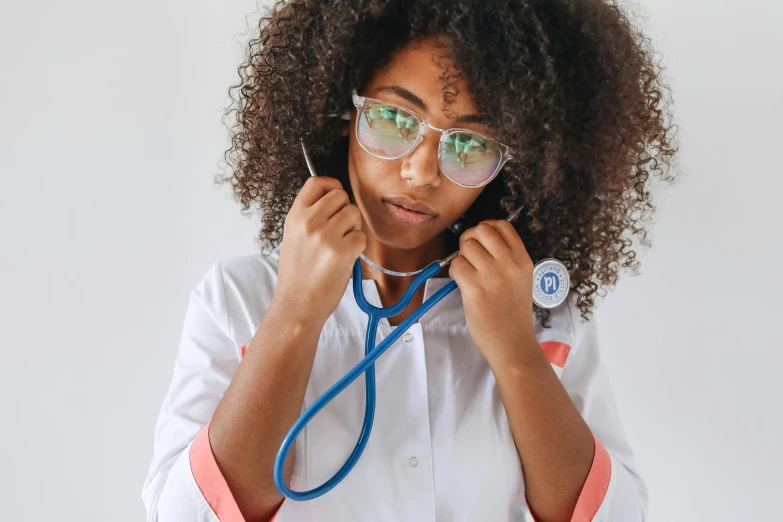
(495, 276)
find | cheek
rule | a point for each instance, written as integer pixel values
(368, 173)
(460, 201)
(356, 168)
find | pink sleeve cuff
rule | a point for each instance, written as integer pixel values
(595, 487)
(211, 482)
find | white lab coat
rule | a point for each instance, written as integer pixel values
(441, 448)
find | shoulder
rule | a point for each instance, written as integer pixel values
(239, 273)
(250, 271)
(240, 290)
(567, 331)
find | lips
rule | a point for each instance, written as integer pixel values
(406, 217)
(407, 203)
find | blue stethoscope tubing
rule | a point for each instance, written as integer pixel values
(367, 366)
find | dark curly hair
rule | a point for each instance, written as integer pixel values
(570, 84)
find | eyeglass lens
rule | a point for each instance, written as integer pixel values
(390, 132)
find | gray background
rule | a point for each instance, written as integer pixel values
(110, 133)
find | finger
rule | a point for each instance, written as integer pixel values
(315, 187)
(330, 204)
(491, 240)
(460, 268)
(347, 219)
(475, 253)
(510, 236)
(357, 242)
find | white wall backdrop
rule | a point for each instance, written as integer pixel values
(110, 134)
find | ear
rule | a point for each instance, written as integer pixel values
(346, 129)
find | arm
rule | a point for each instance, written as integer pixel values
(260, 405)
(219, 414)
(578, 465)
(576, 462)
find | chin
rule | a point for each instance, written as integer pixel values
(399, 235)
(404, 239)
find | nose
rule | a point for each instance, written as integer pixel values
(420, 166)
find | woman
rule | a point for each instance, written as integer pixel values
(489, 408)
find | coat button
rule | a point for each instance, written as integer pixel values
(413, 462)
(408, 337)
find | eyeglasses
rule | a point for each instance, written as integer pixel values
(389, 131)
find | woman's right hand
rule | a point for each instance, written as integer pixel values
(322, 237)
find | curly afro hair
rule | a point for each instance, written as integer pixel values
(570, 84)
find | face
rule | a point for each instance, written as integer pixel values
(411, 80)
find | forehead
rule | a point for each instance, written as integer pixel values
(418, 68)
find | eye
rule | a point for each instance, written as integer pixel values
(464, 141)
(405, 121)
(388, 113)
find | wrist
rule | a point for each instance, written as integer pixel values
(514, 355)
(295, 317)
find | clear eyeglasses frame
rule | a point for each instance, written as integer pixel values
(361, 102)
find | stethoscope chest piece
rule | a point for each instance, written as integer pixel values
(551, 283)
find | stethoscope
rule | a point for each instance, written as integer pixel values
(551, 284)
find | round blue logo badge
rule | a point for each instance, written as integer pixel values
(550, 283)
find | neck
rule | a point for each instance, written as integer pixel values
(405, 260)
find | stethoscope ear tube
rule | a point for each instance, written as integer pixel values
(366, 365)
(551, 284)
(549, 281)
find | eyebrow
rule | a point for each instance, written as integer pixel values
(407, 95)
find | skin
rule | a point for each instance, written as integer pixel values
(389, 244)
(494, 275)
